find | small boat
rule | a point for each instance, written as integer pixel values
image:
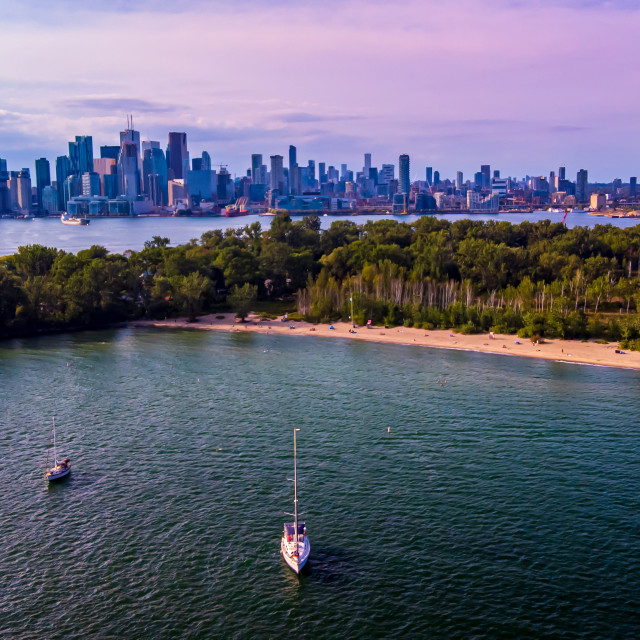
(67, 219)
(294, 546)
(61, 468)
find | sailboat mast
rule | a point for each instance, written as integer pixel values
(295, 488)
(55, 455)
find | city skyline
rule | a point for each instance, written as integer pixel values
(521, 87)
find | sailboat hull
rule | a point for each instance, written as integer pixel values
(296, 564)
(52, 477)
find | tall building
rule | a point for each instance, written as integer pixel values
(322, 172)
(343, 172)
(256, 168)
(24, 190)
(206, 161)
(581, 185)
(277, 173)
(49, 199)
(485, 170)
(294, 174)
(436, 178)
(91, 184)
(81, 154)
(562, 173)
(147, 144)
(429, 177)
(459, 180)
(3, 166)
(104, 167)
(404, 175)
(633, 186)
(387, 174)
(43, 177)
(63, 171)
(128, 173)
(367, 164)
(178, 160)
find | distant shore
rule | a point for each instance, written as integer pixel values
(573, 351)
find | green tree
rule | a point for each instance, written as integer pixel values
(242, 299)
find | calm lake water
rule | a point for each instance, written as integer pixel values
(120, 234)
(503, 504)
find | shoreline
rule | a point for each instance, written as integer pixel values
(566, 351)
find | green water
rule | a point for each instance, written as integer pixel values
(503, 504)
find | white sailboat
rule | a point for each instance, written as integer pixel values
(60, 468)
(294, 546)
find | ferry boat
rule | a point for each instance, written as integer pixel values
(61, 468)
(294, 546)
(67, 219)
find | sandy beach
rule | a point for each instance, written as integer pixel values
(509, 345)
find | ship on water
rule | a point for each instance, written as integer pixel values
(67, 219)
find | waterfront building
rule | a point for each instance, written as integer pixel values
(81, 154)
(598, 201)
(225, 189)
(277, 174)
(90, 184)
(581, 186)
(43, 177)
(178, 159)
(633, 186)
(459, 180)
(49, 199)
(294, 173)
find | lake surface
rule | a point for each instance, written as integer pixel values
(503, 504)
(120, 234)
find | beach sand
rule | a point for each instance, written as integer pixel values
(510, 345)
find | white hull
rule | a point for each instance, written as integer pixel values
(73, 220)
(304, 550)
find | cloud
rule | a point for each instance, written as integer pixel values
(302, 117)
(121, 105)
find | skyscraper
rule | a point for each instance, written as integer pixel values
(256, 165)
(562, 173)
(367, 164)
(91, 184)
(81, 154)
(633, 186)
(63, 171)
(178, 160)
(429, 177)
(206, 161)
(277, 173)
(24, 190)
(128, 173)
(485, 170)
(43, 177)
(294, 174)
(403, 174)
(581, 186)
(459, 180)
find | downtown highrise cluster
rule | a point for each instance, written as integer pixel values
(138, 177)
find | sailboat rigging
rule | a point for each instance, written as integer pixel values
(294, 546)
(60, 468)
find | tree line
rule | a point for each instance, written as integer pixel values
(535, 279)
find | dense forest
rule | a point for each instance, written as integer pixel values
(536, 279)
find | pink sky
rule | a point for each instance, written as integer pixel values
(523, 86)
